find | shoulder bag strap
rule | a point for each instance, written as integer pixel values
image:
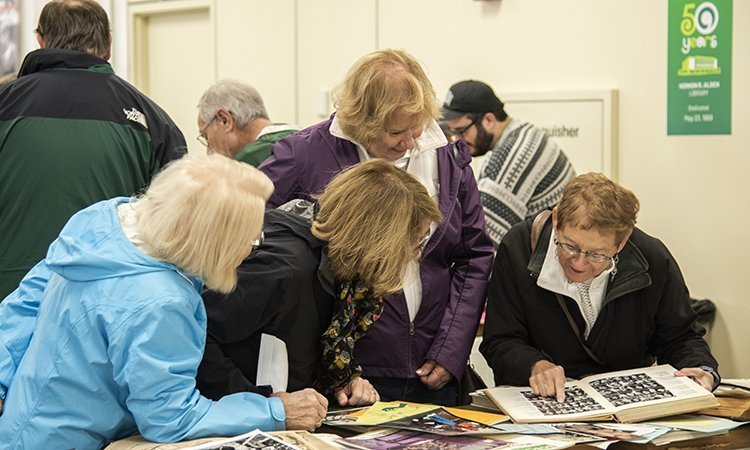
(536, 227)
(536, 231)
(576, 331)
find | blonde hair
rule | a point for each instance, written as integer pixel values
(372, 216)
(376, 88)
(201, 214)
(592, 200)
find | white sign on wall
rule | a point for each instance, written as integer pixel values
(583, 123)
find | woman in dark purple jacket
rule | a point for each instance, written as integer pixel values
(386, 108)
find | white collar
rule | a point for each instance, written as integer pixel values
(432, 138)
(275, 128)
(552, 276)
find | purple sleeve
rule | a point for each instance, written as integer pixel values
(281, 168)
(472, 266)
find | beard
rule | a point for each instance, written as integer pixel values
(483, 141)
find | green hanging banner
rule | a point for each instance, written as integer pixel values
(699, 91)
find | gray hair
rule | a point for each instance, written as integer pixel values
(240, 99)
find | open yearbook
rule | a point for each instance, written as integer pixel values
(627, 396)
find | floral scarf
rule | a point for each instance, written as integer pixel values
(356, 312)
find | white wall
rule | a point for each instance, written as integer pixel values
(257, 44)
(692, 188)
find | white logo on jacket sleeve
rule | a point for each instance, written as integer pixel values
(135, 116)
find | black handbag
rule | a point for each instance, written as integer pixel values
(470, 382)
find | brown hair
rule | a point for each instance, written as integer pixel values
(376, 88)
(372, 216)
(80, 25)
(592, 200)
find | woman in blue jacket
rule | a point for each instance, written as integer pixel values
(103, 338)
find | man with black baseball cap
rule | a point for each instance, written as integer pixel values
(523, 171)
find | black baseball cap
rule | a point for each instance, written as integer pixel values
(469, 96)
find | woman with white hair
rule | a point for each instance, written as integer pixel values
(102, 339)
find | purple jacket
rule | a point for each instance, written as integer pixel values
(454, 270)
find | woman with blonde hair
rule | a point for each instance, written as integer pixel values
(581, 290)
(386, 108)
(102, 339)
(318, 286)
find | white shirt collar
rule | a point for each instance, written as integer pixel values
(432, 138)
(275, 128)
(552, 278)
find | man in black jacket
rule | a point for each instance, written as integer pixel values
(628, 302)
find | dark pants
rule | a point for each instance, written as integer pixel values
(412, 390)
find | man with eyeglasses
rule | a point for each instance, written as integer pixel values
(233, 121)
(520, 171)
(584, 291)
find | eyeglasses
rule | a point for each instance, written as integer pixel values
(461, 131)
(593, 257)
(255, 243)
(202, 135)
(423, 242)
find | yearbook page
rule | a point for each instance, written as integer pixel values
(629, 395)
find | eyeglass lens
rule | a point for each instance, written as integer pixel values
(572, 250)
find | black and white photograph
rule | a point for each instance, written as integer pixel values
(256, 440)
(576, 401)
(627, 389)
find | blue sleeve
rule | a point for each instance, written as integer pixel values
(155, 354)
(19, 313)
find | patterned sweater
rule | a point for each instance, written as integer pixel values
(525, 174)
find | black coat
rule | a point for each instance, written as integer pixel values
(281, 291)
(645, 317)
